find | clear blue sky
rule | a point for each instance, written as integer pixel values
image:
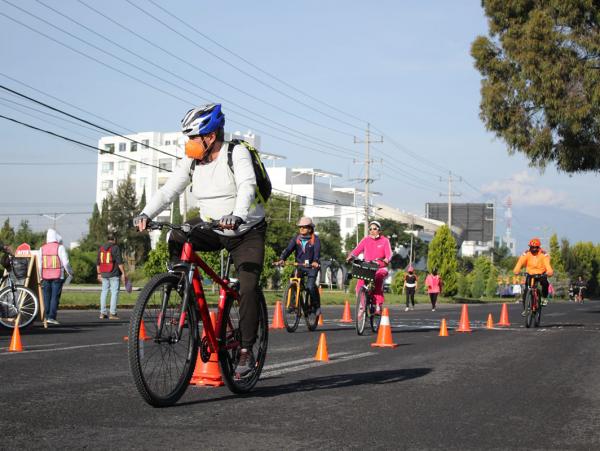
(403, 66)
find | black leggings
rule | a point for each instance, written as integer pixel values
(248, 253)
(311, 286)
(433, 299)
(543, 283)
(410, 295)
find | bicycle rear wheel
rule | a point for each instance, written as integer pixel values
(291, 307)
(17, 300)
(310, 315)
(361, 310)
(231, 342)
(528, 309)
(161, 363)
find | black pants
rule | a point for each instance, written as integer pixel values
(311, 285)
(543, 283)
(433, 299)
(410, 295)
(247, 252)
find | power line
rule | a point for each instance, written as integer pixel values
(77, 142)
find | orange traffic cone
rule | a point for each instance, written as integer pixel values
(15, 341)
(490, 322)
(443, 328)
(504, 317)
(322, 355)
(463, 325)
(384, 336)
(347, 316)
(320, 323)
(143, 335)
(277, 322)
(208, 373)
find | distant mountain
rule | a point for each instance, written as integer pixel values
(544, 221)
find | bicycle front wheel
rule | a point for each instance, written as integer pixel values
(361, 310)
(538, 316)
(15, 301)
(291, 307)
(231, 345)
(375, 320)
(529, 309)
(162, 361)
(310, 315)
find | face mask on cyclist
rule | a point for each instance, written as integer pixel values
(197, 148)
(534, 250)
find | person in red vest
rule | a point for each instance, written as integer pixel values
(111, 271)
(55, 263)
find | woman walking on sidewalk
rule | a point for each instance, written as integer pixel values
(410, 287)
(434, 287)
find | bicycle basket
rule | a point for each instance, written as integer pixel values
(19, 267)
(364, 270)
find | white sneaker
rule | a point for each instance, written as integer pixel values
(52, 321)
(433, 310)
(406, 309)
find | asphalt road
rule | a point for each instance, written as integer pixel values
(506, 388)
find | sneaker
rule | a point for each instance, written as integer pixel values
(52, 321)
(115, 316)
(433, 310)
(413, 307)
(544, 301)
(406, 309)
(246, 363)
(103, 316)
(524, 313)
(378, 309)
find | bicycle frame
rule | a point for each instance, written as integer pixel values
(195, 261)
(535, 299)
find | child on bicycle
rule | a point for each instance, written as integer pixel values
(307, 247)
(536, 261)
(374, 247)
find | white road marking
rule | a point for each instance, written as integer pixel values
(63, 349)
(46, 345)
(293, 369)
(296, 362)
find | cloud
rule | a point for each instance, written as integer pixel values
(524, 191)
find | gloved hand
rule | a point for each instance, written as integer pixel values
(231, 222)
(140, 222)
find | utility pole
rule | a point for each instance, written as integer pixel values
(367, 178)
(450, 196)
(54, 218)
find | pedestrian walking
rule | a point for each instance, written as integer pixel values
(55, 264)
(410, 287)
(434, 287)
(111, 271)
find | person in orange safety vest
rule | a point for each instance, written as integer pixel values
(536, 261)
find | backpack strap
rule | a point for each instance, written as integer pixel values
(232, 144)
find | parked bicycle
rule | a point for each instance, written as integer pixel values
(365, 301)
(18, 304)
(163, 332)
(298, 301)
(533, 305)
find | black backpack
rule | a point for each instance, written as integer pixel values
(263, 183)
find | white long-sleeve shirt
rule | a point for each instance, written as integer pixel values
(219, 191)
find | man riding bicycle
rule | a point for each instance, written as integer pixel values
(307, 247)
(536, 262)
(374, 247)
(224, 192)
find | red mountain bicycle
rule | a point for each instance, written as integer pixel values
(164, 335)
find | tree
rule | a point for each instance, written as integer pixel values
(97, 228)
(442, 256)
(555, 255)
(481, 274)
(7, 233)
(540, 91)
(157, 259)
(331, 240)
(279, 229)
(492, 283)
(24, 234)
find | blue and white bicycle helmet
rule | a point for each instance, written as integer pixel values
(203, 120)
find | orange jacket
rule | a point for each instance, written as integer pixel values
(534, 264)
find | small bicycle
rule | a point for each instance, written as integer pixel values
(164, 341)
(365, 302)
(298, 302)
(18, 304)
(533, 305)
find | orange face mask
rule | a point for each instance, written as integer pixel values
(195, 149)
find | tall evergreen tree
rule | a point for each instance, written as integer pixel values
(555, 255)
(442, 256)
(7, 233)
(331, 240)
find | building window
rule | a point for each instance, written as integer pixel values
(349, 223)
(132, 169)
(107, 167)
(121, 165)
(165, 164)
(107, 185)
(122, 147)
(302, 200)
(133, 147)
(145, 143)
(109, 148)
(167, 143)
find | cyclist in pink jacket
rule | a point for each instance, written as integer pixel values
(373, 247)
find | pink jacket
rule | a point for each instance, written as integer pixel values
(434, 283)
(374, 248)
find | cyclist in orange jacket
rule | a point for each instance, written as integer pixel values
(536, 261)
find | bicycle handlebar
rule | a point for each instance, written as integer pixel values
(185, 227)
